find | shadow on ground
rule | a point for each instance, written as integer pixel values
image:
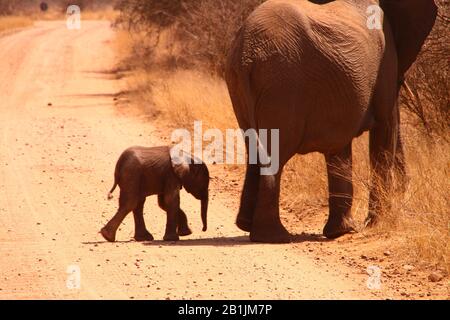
(218, 241)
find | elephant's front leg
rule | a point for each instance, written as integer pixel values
(171, 205)
(183, 226)
(339, 168)
(140, 231)
(248, 199)
(267, 226)
(183, 229)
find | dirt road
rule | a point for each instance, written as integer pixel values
(60, 135)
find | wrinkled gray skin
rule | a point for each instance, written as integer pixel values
(142, 172)
(314, 70)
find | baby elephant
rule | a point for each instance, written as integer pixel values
(142, 172)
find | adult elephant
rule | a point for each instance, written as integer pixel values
(322, 74)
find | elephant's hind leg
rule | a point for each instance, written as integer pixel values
(339, 168)
(140, 231)
(267, 226)
(384, 138)
(401, 174)
(241, 99)
(127, 203)
(382, 158)
(248, 199)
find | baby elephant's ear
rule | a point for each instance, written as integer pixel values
(181, 170)
(180, 164)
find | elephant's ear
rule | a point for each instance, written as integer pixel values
(181, 168)
(182, 164)
(411, 22)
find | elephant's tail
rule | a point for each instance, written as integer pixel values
(116, 177)
(110, 194)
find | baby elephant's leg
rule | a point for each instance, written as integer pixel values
(183, 226)
(127, 203)
(140, 231)
(170, 202)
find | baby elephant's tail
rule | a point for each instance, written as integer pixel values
(116, 178)
(110, 194)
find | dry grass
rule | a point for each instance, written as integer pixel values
(8, 23)
(188, 96)
(180, 96)
(420, 218)
(105, 14)
(418, 221)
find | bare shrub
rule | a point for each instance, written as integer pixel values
(208, 29)
(141, 14)
(84, 4)
(426, 93)
(203, 30)
(7, 7)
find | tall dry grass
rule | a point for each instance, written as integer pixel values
(179, 95)
(418, 219)
(8, 23)
(12, 17)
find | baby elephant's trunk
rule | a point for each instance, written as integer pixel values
(205, 212)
